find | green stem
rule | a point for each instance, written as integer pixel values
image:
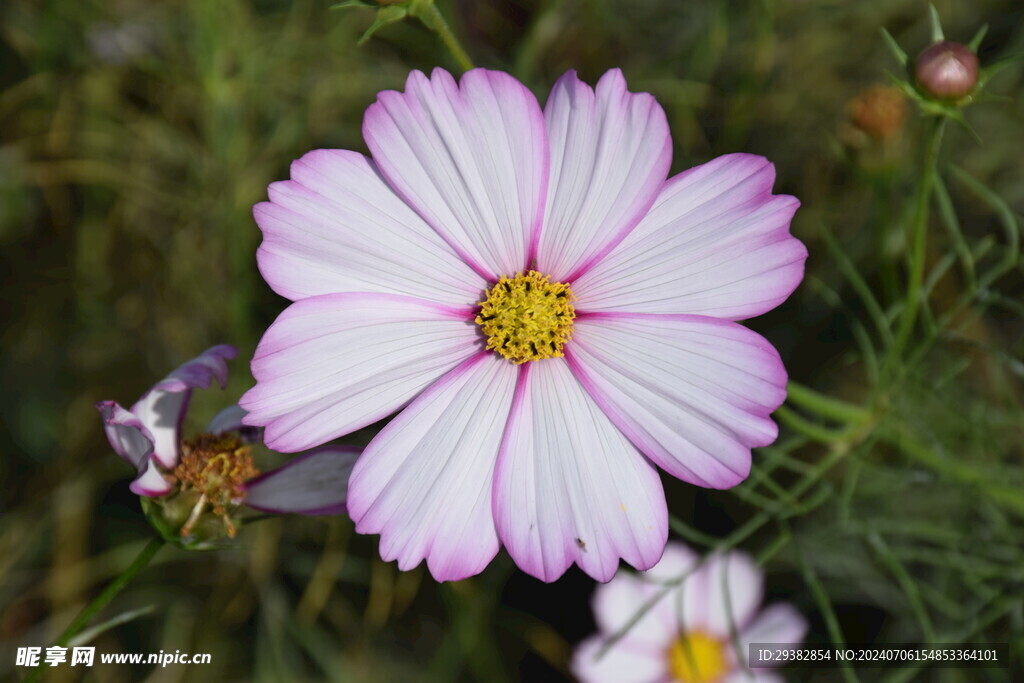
(917, 255)
(432, 18)
(826, 406)
(101, 600)
(811, 430)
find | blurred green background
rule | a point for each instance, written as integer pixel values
(135, 135)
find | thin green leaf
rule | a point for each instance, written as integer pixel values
(895, 48)
(995, 67)
(352, 3)
(905, 581)
(773, 548)
(90, 633)
(935, 23)
(1006, 217)
(952, 223)
(860, 286)
(811, 430)
(978, 37)
(835, 632)
(827, 406)
(385, 16)
(689, 533)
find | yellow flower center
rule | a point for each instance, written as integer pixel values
(215, 466)
(526, 317)
(697, 658)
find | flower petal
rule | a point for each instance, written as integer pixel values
(610, 155)
(716, 242)
(569, 487)
(779, 623)
(693, 393)
(618, 602)
(622, 662)
(336, 226)
(471, 159)
(677, 561)
(127, 435)
(756, 676)
(313, 483)
(231, 420)
(335, 363)
(424, 483)
(724, 592)
(132, 441)
(150, 481)
(162, 408)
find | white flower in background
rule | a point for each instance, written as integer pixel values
(687, 636)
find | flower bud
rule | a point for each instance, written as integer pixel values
(947, 70)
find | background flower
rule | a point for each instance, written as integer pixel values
(149, 437)
(542, 438)
(687, 635)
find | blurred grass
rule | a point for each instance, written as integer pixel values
(134, 138)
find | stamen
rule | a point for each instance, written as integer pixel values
(527, 317)
(215, 466)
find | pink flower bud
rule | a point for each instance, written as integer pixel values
(947, 70)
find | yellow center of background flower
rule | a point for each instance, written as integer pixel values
(697, 658)
(526, 317)
(216, 467)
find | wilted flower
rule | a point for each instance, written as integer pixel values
(879, 111)
(552, 315)
(947, 70)
(196, 485)
(687, 635)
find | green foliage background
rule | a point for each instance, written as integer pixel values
(134, 138)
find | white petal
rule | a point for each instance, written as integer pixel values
(471, 159)
(335, 363)
(624, 598)
(693, 393)
(677, 561)
(150, 481)
(569, 487)
(227, 420)
(716, 242)
(756, 676)
(162, 408)
(127, 435)
(336, 226)
(610, 154)
(313, 483)
(779, 624)
(725, 591)
(424, 483)
(622, 663)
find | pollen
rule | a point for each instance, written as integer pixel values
(216, 467)
(527, 317)
(697, 658)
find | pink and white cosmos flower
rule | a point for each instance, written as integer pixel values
(687, 634)
(553, 317)
(149, 437)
